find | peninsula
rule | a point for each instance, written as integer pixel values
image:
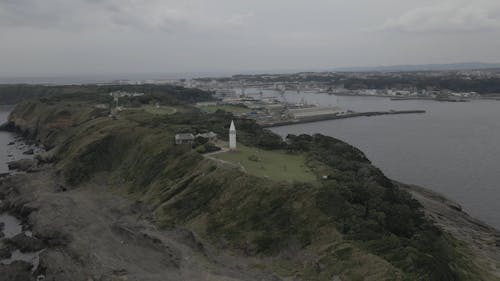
(113, 197)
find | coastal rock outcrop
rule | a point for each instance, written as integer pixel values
(26, 244)
(23, 165)
(54, 238)
(16, 271)
(46, 156)
(30, 151)
(190, 239)
(5, 251)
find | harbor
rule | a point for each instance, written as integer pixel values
(273, 108)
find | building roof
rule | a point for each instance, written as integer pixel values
(184, 137)
(208, 135)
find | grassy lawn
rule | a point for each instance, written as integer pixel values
(276, 165)
(162, 110)
(228, 108)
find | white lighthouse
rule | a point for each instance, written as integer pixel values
(232, 136)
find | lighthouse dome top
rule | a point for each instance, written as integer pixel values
(232, 128)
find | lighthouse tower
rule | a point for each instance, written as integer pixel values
(232, 137)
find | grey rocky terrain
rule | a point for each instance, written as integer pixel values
(92, 233)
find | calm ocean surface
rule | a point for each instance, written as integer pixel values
(454, 148)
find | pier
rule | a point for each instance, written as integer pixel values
(278, 123)
(445, 99)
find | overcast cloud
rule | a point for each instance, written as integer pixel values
(62, 37)
(460, 16)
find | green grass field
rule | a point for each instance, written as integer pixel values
(275, 165)
(229, 108)
(162, 110)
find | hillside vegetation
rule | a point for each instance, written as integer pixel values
(167, 94)
(354, 224)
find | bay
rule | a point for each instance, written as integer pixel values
(453, 149)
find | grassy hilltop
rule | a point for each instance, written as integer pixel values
(355, 223)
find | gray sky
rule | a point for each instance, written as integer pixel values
(76, 37)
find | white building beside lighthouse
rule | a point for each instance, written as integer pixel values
(232, 136)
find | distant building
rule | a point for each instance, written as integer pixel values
(184, 138)
(232, 136)
(207, 103)
(210, 136)
(101, 106)
(121, 94)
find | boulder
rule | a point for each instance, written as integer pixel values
(30, 151)
(5, 253)
(25, 243)
(8, 127)
(54, 238)
(61, 188)
(24, 165)
(16, 271)
(188, 238)
(11, 143)
(454, 206)
(47, 156)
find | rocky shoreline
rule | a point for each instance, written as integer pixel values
(19, 248)
(482, 239)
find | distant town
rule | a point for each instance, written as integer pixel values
(440, 85)
(263, 97)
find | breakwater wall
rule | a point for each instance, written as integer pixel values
(268, 124)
